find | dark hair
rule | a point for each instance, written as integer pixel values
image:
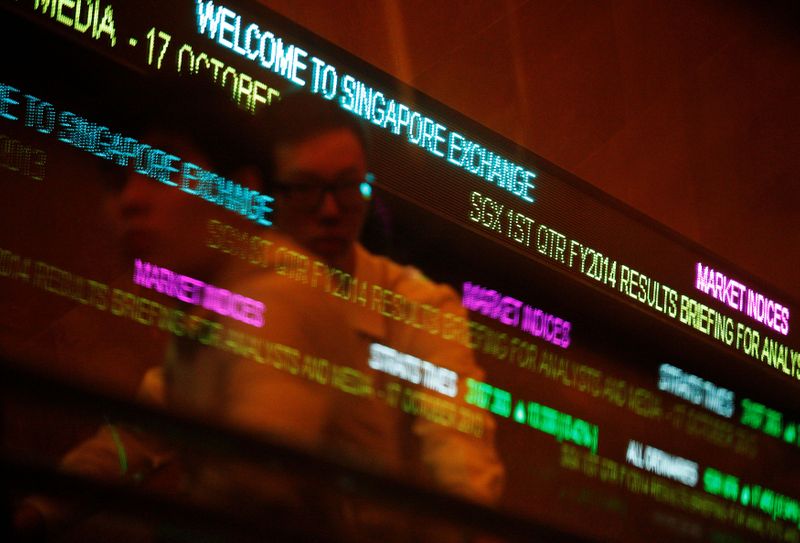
(299, 116)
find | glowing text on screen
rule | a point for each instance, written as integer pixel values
(742, 298)
(245, 89)
(196, 292)
(514, 313)
(307, 270)
(562, 426)
(16, 156)
(490, 214)
(233, 339)
(696, 390)
(661, 463)
(412, 369)
(272, 53)
(159, 165)
(575, 255)
(83, 16)
(248, 91)
(290, 61)
(770, 421)
(707, 502)
(729, 487)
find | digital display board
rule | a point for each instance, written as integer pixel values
(523, 341)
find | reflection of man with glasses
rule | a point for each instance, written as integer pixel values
(322, 190)
(322, 194)
(206, 371)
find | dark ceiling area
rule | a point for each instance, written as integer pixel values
(687, 111)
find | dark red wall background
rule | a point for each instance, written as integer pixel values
(688, 111)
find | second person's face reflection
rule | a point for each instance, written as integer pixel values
(161, 223)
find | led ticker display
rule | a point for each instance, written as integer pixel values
(218, 22)
(511, 312)
(93, 19)
(196, 292)
(15, 156)
(738, 296)
(696, 390)
(124, 151)
(412, 369)
(615, 380)
(662, 463)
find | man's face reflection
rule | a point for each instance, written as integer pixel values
(161, 223)
(318, 196)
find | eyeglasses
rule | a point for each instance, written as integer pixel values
(308, 194)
